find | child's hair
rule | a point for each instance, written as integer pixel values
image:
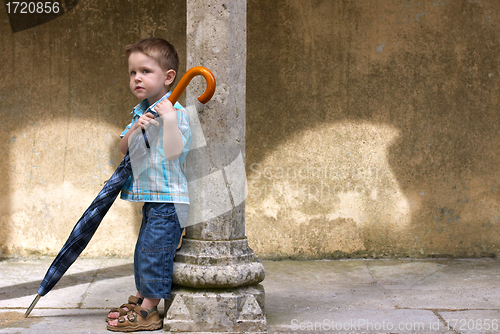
(158, 49)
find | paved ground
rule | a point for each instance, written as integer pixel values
(356, 296)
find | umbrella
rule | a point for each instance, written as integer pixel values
(92, 217)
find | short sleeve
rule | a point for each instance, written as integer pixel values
(126, 130)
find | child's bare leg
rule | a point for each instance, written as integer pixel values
(150, 302)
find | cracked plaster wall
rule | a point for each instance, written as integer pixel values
(372, 128)
(64, 100)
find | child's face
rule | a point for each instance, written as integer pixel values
(147, 79)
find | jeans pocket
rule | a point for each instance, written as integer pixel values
(162, 230)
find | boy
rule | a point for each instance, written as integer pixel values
(152, 65)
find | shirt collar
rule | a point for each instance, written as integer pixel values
(143, 107)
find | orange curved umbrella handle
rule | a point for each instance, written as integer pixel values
(186, 78)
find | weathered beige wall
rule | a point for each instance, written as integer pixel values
(372, 128)
(64, 100)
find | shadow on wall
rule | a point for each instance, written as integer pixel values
(64, 100)
(371, 129)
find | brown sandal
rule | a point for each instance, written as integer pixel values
(140, 319)
(133, 301)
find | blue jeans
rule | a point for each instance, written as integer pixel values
(155, 250)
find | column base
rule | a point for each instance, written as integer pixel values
(226, 311)
(216, 264)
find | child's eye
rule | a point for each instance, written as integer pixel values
(146, 71)
(132, 73)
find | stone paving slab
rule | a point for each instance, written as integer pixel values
(57, 321)
(20, 281)
(324, 274)
(403, 274)
(449, 298)
(444, 296)
(115, 284)
(468, 273)
(473, 322)
(363, 321)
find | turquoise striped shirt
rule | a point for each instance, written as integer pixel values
(161, 179)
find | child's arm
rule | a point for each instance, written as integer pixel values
(142, 123)
(172, 140)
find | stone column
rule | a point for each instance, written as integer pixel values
(216, 275)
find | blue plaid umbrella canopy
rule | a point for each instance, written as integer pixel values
(92, 217)
(86, 226)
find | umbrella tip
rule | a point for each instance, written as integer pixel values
(32, 306)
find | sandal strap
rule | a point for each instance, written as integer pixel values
(132, 302)
(130, 317)
(122, 310)
(144, 312)
(135, 300)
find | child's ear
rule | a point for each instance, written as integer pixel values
(169, 77)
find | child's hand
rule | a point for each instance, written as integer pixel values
(167, 112)
(144, 120)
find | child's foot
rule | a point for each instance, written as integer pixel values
(140, 319)
(117, 312)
